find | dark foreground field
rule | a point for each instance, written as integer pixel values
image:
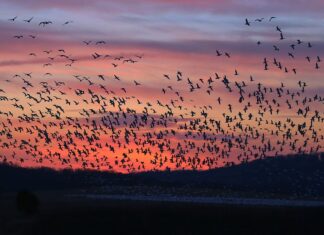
(62, 215)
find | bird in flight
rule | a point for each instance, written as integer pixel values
(13, 19)
(271, 18)
(29, 20)
(67, 22)
(87, 42)
(44, 23)
(136, 83)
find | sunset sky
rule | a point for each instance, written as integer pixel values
(164, 37)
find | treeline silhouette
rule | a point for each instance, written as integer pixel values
(295, 175)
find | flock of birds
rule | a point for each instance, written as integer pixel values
(292, 46)
(117, 131)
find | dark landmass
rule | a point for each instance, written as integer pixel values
(47, 206)
(299, 176)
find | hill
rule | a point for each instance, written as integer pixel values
(295, 176)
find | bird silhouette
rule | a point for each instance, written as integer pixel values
(13, 19)
(29, 20)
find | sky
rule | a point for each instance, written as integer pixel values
(164, 37)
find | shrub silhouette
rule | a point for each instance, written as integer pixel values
(27, 202)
